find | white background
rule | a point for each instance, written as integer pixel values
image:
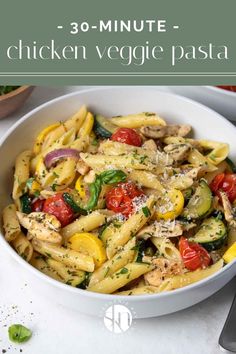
(58, 330)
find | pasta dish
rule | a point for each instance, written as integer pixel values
(126, 205)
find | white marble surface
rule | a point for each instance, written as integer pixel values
(58, 330)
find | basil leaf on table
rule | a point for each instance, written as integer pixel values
(18, 333)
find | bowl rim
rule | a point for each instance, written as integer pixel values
(90, 294)
(220, 90)
(14, 92)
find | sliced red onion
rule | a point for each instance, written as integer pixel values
(53, 156)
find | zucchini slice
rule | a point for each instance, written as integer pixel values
(211, 235)
(200, 203)
(103, 127)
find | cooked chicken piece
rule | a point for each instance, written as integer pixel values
(178, 152)
(180, 140)
(215, 204)
(157, 132)
(183, 179)
(46, 193)
(150, 145)
(161, 229)
(29, 236)
(180, 182)
(42, 226)
(164, 269)
(228, 211)
(193, 173)
(90, 177)
(215, 256)
(188, 225)
(82, 167)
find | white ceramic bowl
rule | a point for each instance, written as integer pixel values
(115, 101)
(222, 101)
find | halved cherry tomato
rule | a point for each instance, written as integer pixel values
(194, 255)
(225, 182)
(217, 182)
(37, 205)
(127, 136)
(56, 206)
(119, 199)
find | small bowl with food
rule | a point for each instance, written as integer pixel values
(220, 98)
(12, 98)
(107, 204)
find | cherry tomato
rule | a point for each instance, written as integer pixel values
(217, 182)
(194, 255)
(225, 182)
(119, 199)
(127, 136)
(37, 205)
(56, 206)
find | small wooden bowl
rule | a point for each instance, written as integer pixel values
(13, 100)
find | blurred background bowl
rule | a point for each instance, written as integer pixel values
(13, 100)
(222, 101)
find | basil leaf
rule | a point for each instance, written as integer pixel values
(18, 333)
(112, 176)
(94, 191)
(106, 177)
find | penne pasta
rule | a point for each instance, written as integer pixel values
(11, 223)
(166, 248)
(68, 257)
(197, 159)
(70, 276)
(209, 176)
(120, 278)
(146, 179)
(114, 148)
(138, 120)
(40, 263)
(42, 136)
(132, 161)
(23, 247)
(63, 142)
(129, 228)
(74, 122)
(126, 255)
(188, 278)
(22, 172)
(84, 224)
